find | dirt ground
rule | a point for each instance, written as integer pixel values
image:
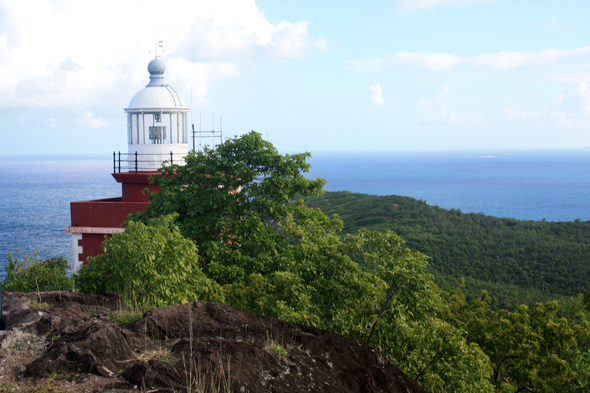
(71, 342)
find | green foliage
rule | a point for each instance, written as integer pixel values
(586, 300)
(405, 323)
(274, 255)
(228, 200)
(543, 349)
(515, 261)
(261, 248)
(150, 265)
(34, 274)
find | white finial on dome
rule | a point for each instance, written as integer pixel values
(156, 68)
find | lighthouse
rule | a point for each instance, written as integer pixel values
(157, 132)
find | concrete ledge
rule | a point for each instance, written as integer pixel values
(94, 230)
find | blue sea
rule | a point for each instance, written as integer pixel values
(35, 192)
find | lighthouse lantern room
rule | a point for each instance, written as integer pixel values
(157, 127)
(157, 132)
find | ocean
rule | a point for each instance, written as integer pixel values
(35, 192)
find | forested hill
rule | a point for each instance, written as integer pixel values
(515, 261)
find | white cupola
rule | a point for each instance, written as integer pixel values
(157, 127)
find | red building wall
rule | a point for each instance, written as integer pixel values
(93, 220)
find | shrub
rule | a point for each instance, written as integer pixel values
(150, 265)
(34, 274)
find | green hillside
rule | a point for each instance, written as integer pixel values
(515, 261)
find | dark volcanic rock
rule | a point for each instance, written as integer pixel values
(81, 344)
(199, 345)
(236, 345)
(151, 374)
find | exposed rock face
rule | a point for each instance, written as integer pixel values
(197, 345)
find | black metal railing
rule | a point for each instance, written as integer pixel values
(134, 162)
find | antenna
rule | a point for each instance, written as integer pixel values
(193, 138)
(210, 133)
(157, 43)
(192, 122)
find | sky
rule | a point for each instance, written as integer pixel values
(350, 76)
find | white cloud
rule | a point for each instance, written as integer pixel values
(584, 95)
(552, 24)
(548, 58)
(574, 108)
(377, 96)
(513, 115)
(88, 120)
(437, 112)
(210, 40)
(321, 44)
(81, 53)
(409, 5)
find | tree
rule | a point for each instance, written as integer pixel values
(150, 265)
(230, 199)
(34, 274)
(405, 323)
(543, 349)
(241, 204)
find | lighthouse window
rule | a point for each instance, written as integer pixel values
(156, 117)
(157, 134)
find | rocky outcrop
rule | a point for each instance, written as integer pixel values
(196, 346)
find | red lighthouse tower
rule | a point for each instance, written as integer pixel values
(156, 132)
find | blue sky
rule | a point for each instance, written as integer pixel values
(398, 75)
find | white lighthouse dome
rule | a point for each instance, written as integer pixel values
(156, 94)
(156, 97)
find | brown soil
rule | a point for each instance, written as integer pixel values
(67, 342)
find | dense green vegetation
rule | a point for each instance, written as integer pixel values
(271, 254)
(35, 274)
(152, 265)
(265, 250)
(517, 262)
(540, 349)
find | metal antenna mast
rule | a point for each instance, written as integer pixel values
(213, 133)
(156, 43)
(192, 122)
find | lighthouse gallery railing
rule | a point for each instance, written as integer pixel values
(133, 161)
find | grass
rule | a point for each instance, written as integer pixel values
(161, 353)
(59, 376)
(29, 387)
(35, 305)
(125, 317)
(275, 348)
(213, 379)
(127, 313)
